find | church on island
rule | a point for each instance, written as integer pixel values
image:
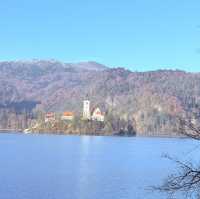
(95, 114)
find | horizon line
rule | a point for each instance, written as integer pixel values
(97, 62)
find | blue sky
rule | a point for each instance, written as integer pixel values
(137, 34)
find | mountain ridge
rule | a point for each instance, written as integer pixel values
(76, 64)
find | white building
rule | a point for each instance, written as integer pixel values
(97, 115)
(49, 117)
(86, 109)
(67, 116)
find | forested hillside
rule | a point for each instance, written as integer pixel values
(150, 101)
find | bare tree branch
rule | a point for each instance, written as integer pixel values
(187, 179)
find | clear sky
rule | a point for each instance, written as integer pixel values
(137, 34)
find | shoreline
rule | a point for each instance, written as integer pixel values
(13, 131)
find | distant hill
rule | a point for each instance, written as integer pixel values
(91, 66)
(150, 100)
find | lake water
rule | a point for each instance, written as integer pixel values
(84, 167)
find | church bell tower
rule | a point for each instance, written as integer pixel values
(86, 109)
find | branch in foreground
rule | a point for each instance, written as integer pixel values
(187, 179)
(187, 128)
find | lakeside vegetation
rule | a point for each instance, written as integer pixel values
(80, 126)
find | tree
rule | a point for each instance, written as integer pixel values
(130, 130)
(187, 179)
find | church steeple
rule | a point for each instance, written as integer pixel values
(86, 108)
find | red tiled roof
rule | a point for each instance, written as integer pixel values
(68, 114)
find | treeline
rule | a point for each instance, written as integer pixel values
(17, 115)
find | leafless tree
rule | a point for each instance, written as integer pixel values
(186, 181)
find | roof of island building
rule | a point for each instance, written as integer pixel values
(50, 114)
(66, 113)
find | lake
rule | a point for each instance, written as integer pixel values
(85, 167)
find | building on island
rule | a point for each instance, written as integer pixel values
(49, 117)
(86, 110)
(67, 116)
(97, 115)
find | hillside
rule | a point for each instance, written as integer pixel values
(149, 100)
